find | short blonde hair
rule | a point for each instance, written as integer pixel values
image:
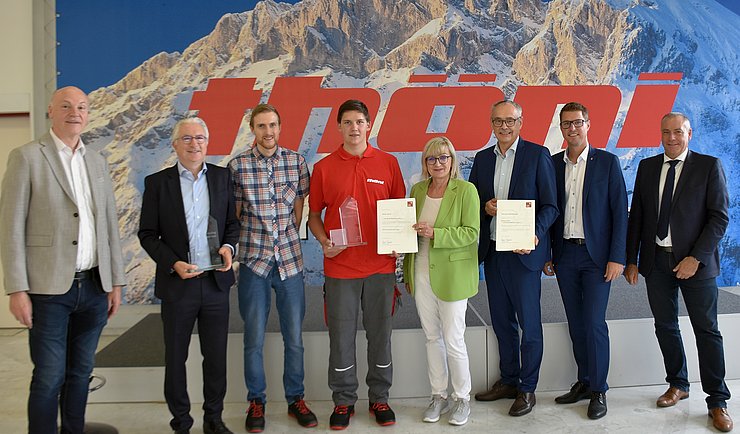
(437, 146)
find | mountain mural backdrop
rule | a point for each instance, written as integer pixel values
(380, 44)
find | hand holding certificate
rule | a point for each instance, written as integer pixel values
(515, 225)
(396, 218)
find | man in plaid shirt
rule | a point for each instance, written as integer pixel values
(270, 184)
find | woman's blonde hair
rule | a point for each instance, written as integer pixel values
(436, 146)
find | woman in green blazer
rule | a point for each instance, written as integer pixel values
(444, 274)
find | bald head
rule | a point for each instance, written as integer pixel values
(68, 111)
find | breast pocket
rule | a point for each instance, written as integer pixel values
(288, 192)
(460, 256)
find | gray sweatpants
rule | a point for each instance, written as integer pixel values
(343, 299)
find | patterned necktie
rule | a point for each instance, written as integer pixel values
(665, 201)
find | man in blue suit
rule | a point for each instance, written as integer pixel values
(588, 251)
(678, 217)
(514, 169)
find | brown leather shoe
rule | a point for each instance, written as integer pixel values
(671, 397)
(721, 419)
(498, 391)
(523, 404)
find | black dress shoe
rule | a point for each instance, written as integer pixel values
(498, 391)
(215, 426)
(523, 404)
(597, 406)
(577, 392)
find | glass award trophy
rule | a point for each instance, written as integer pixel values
(350, 234)
(214, 259)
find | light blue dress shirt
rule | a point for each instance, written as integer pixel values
(502, 176)
(197, 212)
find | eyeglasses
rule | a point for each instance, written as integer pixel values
(442, 159)
(500, 122)
(189, 139)
(578, 123)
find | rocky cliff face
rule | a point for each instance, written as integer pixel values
(578, 42)
(522, 41)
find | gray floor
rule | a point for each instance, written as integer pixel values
(631, 410)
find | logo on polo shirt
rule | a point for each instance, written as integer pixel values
(375, 181)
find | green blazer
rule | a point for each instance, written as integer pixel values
(453, 252)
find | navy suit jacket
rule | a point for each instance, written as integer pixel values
(699, 215)
(533, 177)
(604, 210)
(163, 230)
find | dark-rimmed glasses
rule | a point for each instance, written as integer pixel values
(578, 123)
(442, 159)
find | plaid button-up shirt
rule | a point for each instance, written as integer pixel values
(265, 190)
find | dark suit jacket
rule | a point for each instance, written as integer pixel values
(699, 215)
(604, 208)
(533, 177)
(163, 231)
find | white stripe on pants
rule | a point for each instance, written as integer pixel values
(444, 326)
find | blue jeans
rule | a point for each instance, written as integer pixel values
(254, 306)
(63, 340)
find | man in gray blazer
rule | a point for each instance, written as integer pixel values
(61, 258)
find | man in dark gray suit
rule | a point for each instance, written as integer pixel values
(678, 216)
(61, 258)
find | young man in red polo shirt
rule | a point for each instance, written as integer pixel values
(356, 276)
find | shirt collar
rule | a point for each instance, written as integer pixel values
(681, 156)
(61, 147)
(258, 155)
(344, 155)
(582, 157)
(497, 150)
(182, 169)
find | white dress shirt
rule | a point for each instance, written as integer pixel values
(667, 242)
(575, 173)
(76, 172)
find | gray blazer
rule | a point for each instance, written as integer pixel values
(39, 224)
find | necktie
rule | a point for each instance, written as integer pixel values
(665, 201)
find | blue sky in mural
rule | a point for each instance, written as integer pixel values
(90, 34)
(90, 53)
(732, 5)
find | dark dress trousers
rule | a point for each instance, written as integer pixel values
(163, 233)
(698, 220)
(513, 280)
(580, 268)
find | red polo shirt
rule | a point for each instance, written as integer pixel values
(373, 177)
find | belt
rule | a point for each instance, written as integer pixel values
(577, 241)
(666, 249)
(85, 274)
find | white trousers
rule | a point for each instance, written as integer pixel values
(443, 323)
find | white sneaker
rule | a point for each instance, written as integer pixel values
(437, 407)
(460, 412)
